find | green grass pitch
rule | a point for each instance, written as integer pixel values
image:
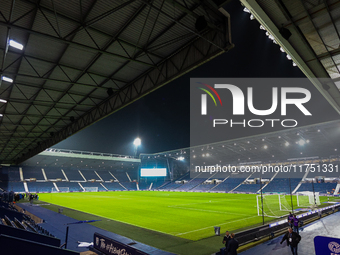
(182, 214)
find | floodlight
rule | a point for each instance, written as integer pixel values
(252, 17)
(265, 147)
(4, 78)
(246, 10)
(1, 115)
(287, 144)
(16, 45)
(301, 142)
(3, 101)
(137, 142)
(180, 158)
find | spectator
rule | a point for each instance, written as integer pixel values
(295, 222)
(292, 240)
(232, 245)
(226, 239)
(290, 218)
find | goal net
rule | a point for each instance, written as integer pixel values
(272, 205)
(90, 189)
(61, 189)
(307, 198)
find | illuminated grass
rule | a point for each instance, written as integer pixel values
(183, 214)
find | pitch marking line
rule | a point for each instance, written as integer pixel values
(196, 209)
(215, 225)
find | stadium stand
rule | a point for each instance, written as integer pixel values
(324, 187)
(12, 186)
(204, 187)
(281, 185)
(251, 188)
(9, 174)
(171, 186)
(73, 175)
(144, 185)
(121, 176)
(105, 175)
(192, 183)
(129, 185)
(93, 184)
(54, 173)
(37, 187)
(32, 172)
(159, 184)
(228, 185)
(113, 186)
(73, 186)
(89, 175)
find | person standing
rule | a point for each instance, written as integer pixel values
(292, 239)
(295, 222)
(232, 245)
(290, 218)
(226, 239)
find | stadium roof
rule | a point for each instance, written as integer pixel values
(83, 60)
(303, 144)
(314, 41)
(314, 142)
(82, 160)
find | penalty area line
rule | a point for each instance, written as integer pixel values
(202, 210)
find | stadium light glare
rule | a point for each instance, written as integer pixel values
(4, 78)
(335, 149)
(289, 57)
(282, 50)
(180, 158)
(1, 115)
(137, 142)
(287, 144)
(307, 141)
(265, 147)
(252, 17)
(16, 45)
(3, 101)
(301, 142)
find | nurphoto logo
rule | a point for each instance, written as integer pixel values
(301, 97)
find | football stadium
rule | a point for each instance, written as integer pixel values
(243, 167)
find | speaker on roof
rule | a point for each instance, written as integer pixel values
(201, 23)
(285, 32)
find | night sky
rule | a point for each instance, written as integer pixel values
(161, 119)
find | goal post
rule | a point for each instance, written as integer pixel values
(274, 205)
(61, 189)
(307, 198)
(90, 189)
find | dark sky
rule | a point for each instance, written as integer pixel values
(161, 119)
